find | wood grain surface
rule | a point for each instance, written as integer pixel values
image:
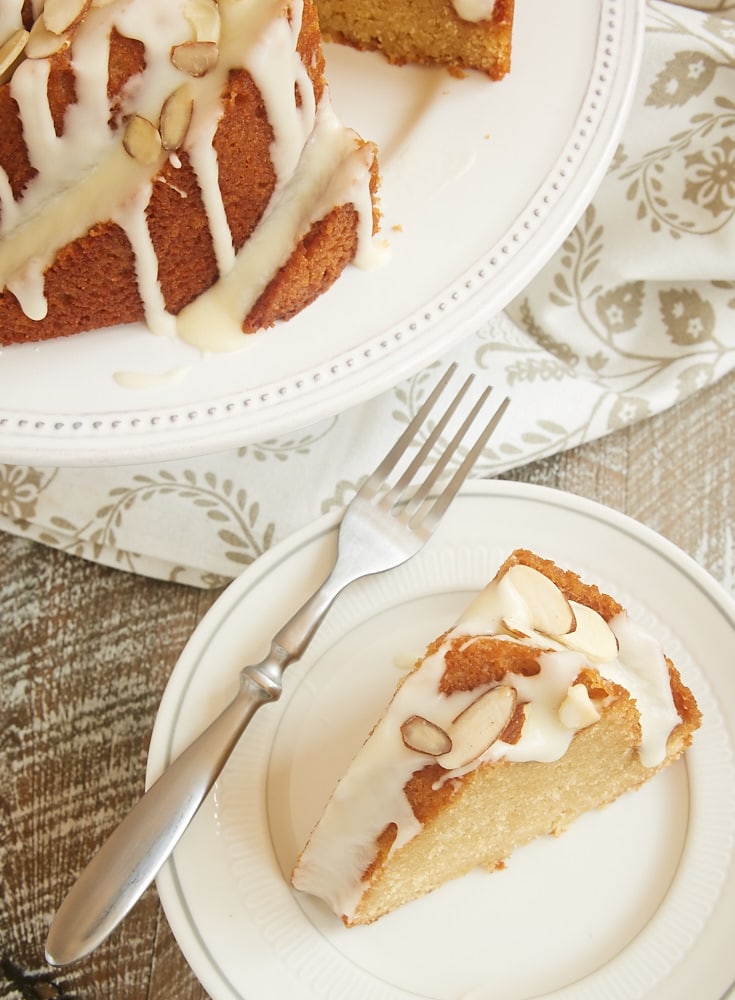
(86, 651)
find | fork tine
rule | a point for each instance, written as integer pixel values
(440, 505)
(406, 479)
(378, 477)
(441, 463)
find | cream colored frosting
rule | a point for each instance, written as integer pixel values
(371, 793)
(474, 10)
(86, 175)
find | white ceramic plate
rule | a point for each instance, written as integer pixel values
(637, 900)
(481, 183)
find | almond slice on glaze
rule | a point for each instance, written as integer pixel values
(518, 630)
(43, 43)
(60, 15)
(142, 140)
(176, 118)
(10, 53)
(203, 16)
(419, 734)
(578, 711)
(195, 58)
(592, 635)
(478, 726)
(549, 610)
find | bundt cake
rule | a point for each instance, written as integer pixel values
(460, 34)
(171, 161)
(544, 701)
(179, 163)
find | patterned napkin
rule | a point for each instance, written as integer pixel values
(635, 312)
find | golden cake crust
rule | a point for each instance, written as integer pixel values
(428, 32)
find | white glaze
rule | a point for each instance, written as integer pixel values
(150, 380)
(474, 10)
(343, 842)
(641, 668)
(85, 175)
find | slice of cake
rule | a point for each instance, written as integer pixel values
(176, 162)
(460, 34)
(544, 701)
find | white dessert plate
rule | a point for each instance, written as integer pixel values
(481, 183)
(636, 900)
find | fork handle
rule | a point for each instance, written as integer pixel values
(132, 856)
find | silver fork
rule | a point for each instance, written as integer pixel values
(382, 527)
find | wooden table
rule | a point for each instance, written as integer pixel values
(86, 652)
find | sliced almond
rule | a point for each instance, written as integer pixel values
(424, 736)
(176, 117)
(519, 630)
(10, 53)
(60, 15)
(549, 610)
(195, 58)
(514, 730)
(142, 140)
(578, 711)
(592, 635)
(478, 726)
(43, 43)
(203, 16)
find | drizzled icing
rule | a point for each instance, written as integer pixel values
(85, 175)
(329, 168)
(474, 10)
(555, 708)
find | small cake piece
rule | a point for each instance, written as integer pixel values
(543, 702)
(460, 34)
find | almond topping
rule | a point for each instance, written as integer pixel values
(10, 52)
(518, 630)
(176, 117)
(592, 635)
(550, 611)
(514, 730)
(203, 16)
(476, 728)
(142, 141)
(195, 58)
(60, 15)
(43, 43)
(424, 736)
(578, 711)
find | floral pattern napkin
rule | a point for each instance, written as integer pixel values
(634, 312)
